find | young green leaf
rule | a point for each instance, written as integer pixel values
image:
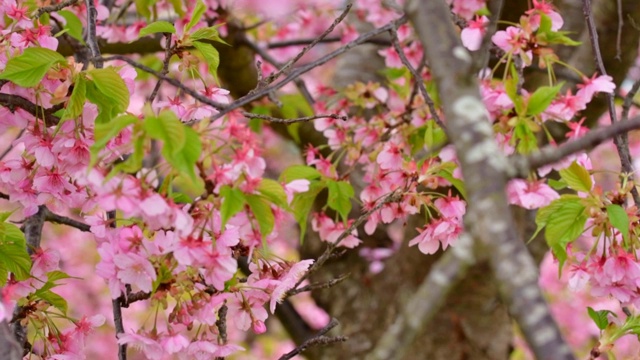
(73, 24)
(273, 191)
(211, 56)
(262, 212)
(185, 159)
(208, 33)
(167, 128)
(28, 69)
(577, 177)
(296, 172)
(53, 299)
(340, 194)
(232, 203)
(13, 252)
(109, 83)
(157, 27)
(541, 98)
(619, 219)
(78, 97)
(302, 204)
(198, 11)
(599, 317)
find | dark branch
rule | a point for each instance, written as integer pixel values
(318, 339)
(53, 8)
(13, 101)
(291, 121)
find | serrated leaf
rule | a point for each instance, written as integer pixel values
(104, 132)
(157, 27)
(180, 198)
(340, 194)
(296, 172)
(208, 33)
(447, 173)
(273, 191)
(167, 128)
(78, 98)
(599, 317)
(28, 69)
(73, 24)
(211, 56)
(577, 177)
(111, 85)
(13, 251)
(556, 184)
(198, 11)
(565, 225)
(263, 214)
(134, 162)
(233, 201)
(185, 159)
(434, 136)
(54, 299)
(106, 110)
(541, 98)
(619, 219)
(302, 204)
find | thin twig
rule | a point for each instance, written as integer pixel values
(165, 68)
(59, 219)
(393, 196)
(331, 39)
(203, 99)
(522, 165)
(320, 285)
(11, 101)
(306, 49)
(92, 39)
(318, 339)
(621, 141)
(628, 100)
(619, 35)
(53, 8)
(10, 147)
(297, 72)
(116, 303)
(291, 121)
(416, 76)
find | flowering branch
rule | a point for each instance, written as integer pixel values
(621, 140)
(203, 99)
(417, 78)
(488, 220)
(12, 101)
(315, 286)
(291, 121)
(249, 98)
(52, 8)
(306, 49)
(59, 219)
(522, 165)
(318, 339)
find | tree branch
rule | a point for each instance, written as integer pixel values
(291, 121)
(13, 101)
(318, 339)
(488, 220)
(53, 8)
(522, 165)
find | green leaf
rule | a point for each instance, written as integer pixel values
(232, 203)
(77, 99)
(302, 204)
(28, 69)
(208, 33)
(180, 198)
(619, 219)
(524, 138)
(211, 57)
(296, 172)
(434, 136)
(564, 225)
(556, 184)
(167, 128)
(599, 317)
(54, 299)
(157, 27)
(143, 7)
(164, 276)
(184, 160)
(13, 252)
(134, 162)
(577, 177)
(447, 173)
(262, 212)
(104, 132)
(541, 98)
(111, 86)
(340, 194)
(73, 25)
(273, 191)
(198, 11)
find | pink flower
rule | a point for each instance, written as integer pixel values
(174, 343)
(513, 40)
(44, 261)
(135, 270)
(330, 231)
(472, 35)
(542, 7)
(288, 281)
(151, 348)
(466, 8)
(451, 207)
(220, 266)
(390, 158)
(602, 83)
(296, 186)
(205, 350)
(439, 232)
(530, 195)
